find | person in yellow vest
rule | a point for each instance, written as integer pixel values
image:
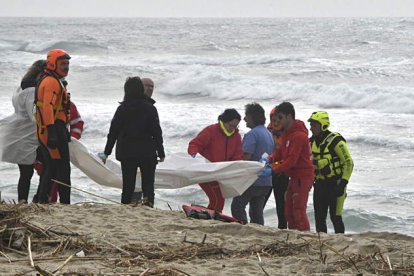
(52, 115)
(333, 167)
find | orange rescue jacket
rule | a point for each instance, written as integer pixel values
(50, 100)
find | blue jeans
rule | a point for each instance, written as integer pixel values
(255, 196)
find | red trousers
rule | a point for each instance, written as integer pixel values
(215, 197)
(296, 200)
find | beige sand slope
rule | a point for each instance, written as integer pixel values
(124, 240)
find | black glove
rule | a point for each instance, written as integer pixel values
(52, 139)
(340, 187)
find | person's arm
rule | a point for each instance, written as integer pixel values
(341, 149)
(76, 122)
(156, 133)
(48, 88)
(114, 131)
(297, 145)
(249, 145)
(200, 142)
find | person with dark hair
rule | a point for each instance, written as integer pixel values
(52, 114)
(148, 91)
(218, 142)
(256, 143)
(333, 168)
(280, 181)
(136, 130)
(294, 158)
(18, 142)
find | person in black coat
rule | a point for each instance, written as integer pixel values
(136, 130)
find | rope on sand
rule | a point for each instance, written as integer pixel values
(86, 192)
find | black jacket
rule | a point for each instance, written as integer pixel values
(136, 130)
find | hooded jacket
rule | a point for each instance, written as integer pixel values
(214, 145)
(294, 155)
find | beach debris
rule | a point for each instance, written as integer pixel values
(60, 245)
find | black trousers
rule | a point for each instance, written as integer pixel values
(324, 199)
(58, 169)
(279, 183)
(129, 176)
(23, 186)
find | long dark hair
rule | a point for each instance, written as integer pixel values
(34, 71)
(133, 88)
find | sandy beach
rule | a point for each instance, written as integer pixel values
(136, 240)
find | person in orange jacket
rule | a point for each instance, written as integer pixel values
(52, 115)
(294, 158)
(280, 181)
(76, 129)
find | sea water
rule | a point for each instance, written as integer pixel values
(359, 70)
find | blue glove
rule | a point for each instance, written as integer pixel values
(264, 160)
(194, 155)
(102, 156)
(265, 172)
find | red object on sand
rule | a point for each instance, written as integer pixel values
(199, 212)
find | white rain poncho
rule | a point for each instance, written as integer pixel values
(178, 170)
(18, 141)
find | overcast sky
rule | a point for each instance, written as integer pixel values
(207, 8)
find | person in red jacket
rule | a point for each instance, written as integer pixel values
(280, 181)
(76, 129)
(218, 142)
(294, 158)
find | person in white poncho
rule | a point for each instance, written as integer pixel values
(18, 141)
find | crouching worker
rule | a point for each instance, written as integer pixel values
(333, 167)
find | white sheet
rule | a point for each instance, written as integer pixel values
(178, 170)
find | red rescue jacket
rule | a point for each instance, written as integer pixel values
(214, 145)
(294, 155)
(76, 122)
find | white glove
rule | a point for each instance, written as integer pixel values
(102, 156)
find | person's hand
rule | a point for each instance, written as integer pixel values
(264, 160)
(193, 155)
(102, 156)
(161, 159)
(265, 172)
(340, 187)
(52, 140)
